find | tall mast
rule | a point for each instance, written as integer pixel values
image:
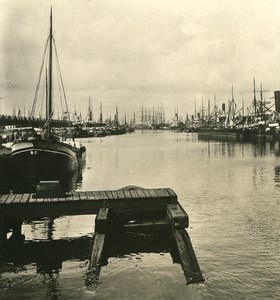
(49, 111)
(255, 100)
(0, 94)
(101, 116)
(261, 104)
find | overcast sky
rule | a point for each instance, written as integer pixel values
(142, 52)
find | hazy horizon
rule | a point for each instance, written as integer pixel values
(134, 53)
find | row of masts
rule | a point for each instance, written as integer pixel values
(258, 109)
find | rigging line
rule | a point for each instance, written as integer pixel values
(61, 80)
(59, 88)
(38, 83)
(42, 97)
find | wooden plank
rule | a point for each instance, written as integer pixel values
(147, 193)
(3, 198)
(134, 194)
(162, 193)
(121, 194)
(103, 195)
(47, 199)
(115, 194)
(90, 196)
(127, 194)
(32, 199)
(140, 193)
(39, 200)
(10, 199)
(97, 196)
(69, 197)
(25, 198)
(153, 193)
(171, 192)
(92, 275)
(17, 198)
(109, 194)
(83, 195)
(188, 259)
(76, 196)
(55, 200)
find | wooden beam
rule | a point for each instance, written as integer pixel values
(101, 220)
(151, 227)
(92, 274)
(177, 216)
(3, 229)
(188, 259)
(101, 226)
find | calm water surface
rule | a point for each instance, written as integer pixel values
(231, 192)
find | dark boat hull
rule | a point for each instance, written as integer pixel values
(44, 159)
(223, 134)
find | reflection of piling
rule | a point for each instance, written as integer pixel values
(124, 213)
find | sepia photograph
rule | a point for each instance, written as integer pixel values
(139, 149)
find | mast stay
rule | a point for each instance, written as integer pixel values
(48, 51)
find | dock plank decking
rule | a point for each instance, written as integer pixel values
(80, 203)
(156, 210)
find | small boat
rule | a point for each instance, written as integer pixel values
(45, 155)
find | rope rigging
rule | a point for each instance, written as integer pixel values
(40, 95)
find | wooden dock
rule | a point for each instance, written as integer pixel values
(131, 209)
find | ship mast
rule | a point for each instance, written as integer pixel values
(255, 100)
(49, 104)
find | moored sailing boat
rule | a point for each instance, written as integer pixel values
(46, 156)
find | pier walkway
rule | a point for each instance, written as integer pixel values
(81, 203)
(130, 210)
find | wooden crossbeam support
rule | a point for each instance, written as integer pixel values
(177, 216)
(156, 226)
(188, 259)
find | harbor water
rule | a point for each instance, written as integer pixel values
(231, 192)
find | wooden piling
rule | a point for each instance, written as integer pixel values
(101, 226)
(3, 229)
(188, 259)
(92, 274)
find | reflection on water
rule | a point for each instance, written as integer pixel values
(10, 181)
(230, 190)
(40, 263)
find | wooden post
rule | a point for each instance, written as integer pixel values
(3, 229)
(179, 221)
(188, 259)
(101, 221)
(177, 216)
(16, 229)
(101, 226)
